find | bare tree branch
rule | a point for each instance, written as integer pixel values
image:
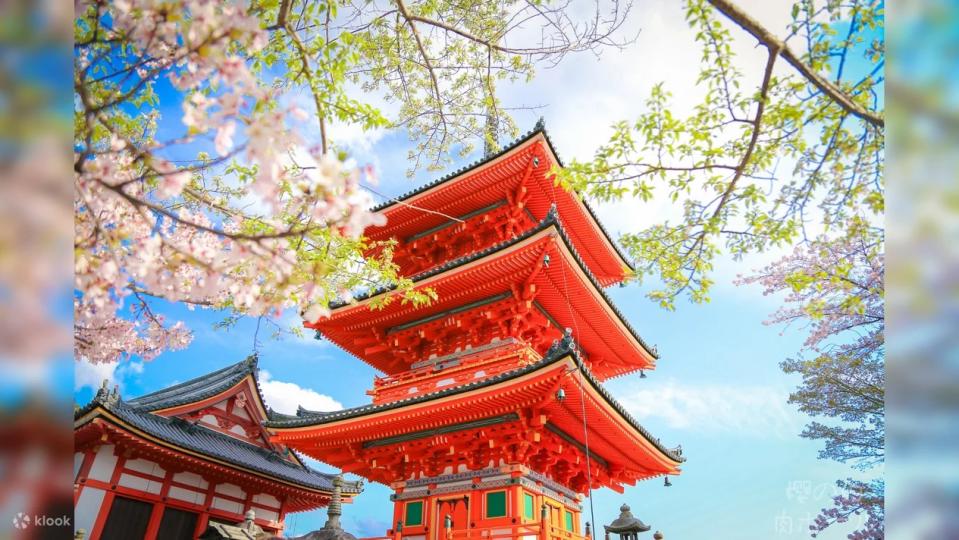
(770, 40)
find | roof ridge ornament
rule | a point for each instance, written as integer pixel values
(106, 396)
(103, 393)
(552, 213)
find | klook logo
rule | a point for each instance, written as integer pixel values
(21, 520)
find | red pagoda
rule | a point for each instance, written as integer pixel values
(491, 420)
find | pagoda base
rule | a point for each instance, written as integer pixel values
(510, 501)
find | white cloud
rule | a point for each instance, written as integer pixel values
(284, 397)
(713, 408)
(88, 375)
(586, 95)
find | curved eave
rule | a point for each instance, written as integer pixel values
(397, 207)
(201, 388)
(289, 429)
(343, 312)
(96, 410)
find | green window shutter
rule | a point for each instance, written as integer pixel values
(528, 506)
(569, 520)
(414, 514)
(496, 504)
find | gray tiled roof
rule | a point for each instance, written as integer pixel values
(197, 389)
(184, 434)
(560, 349)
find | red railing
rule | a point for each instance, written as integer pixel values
(492, 361)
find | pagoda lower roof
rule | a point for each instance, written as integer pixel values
(565, 289)
(487, 182)
(615, 437)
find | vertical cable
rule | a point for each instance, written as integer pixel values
(582, 391)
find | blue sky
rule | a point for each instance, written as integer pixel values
(717, 390)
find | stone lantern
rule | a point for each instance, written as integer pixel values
(626, 525)
(332, 529)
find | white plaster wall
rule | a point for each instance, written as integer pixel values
(140, 483)
(191, 479)
(103, 464)
(263, 513)
(88, 505)
(267, 500)
(187, 495)
(227, 505)
(145, 466)
(231, 490)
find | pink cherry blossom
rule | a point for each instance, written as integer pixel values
(145, 230)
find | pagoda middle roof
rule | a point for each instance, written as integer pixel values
(611, 352)
(486, 182)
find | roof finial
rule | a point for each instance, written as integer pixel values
(104, 391)
(114, 395)
(540, 124)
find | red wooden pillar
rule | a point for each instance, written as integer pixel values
(157, 516)
(108, 498)
(429, 510)
(205, 516)
(83, 473)
(154, 525)
(543, 523)
(476, 502)
(281, 516)
(515, 499)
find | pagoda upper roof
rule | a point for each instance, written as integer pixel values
(611, 352)
(139, 417)
(486, 181)
(563, 354)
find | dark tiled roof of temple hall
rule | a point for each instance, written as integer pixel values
(177, 432)
(197, 389)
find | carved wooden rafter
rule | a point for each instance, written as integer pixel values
(518, 442)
